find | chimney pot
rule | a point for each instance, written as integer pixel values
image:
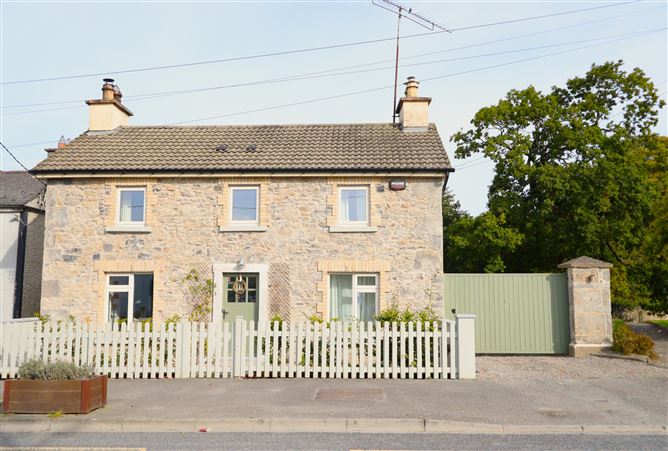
(108, 89)
(118, 95)
(62, 142)
(411, 87)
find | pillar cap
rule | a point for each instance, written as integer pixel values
(584, 262)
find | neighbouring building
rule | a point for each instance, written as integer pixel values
(333, 220)
(21, 244)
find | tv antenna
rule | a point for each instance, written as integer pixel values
(408, 13)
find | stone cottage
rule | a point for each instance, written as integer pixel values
(334, 220)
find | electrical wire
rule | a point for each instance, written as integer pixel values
(355, 66)
(473, 165)
(150, 96)
(20, 164)
(392, 86)
(34, 144)
(238, 113)
(305, 50)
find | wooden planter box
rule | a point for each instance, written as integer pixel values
(40, 396)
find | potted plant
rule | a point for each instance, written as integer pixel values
(56, 386)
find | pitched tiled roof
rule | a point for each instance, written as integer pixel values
(342, 147)
(18, 188)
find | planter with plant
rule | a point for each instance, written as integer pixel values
(52, 387)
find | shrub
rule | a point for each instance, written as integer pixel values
(626, 341)
(36, 369)
(276, 319)
(394, 314)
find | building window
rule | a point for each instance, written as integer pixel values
(244, 201)
(353, 296)
(130, 297)
(354, 205)
(250, 284)
(131, 205)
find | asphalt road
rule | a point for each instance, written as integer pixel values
(297, 441)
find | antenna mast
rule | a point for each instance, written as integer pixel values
(402, 11)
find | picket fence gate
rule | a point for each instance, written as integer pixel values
(245, 349)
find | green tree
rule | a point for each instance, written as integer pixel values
(578, 171)
(478, 244)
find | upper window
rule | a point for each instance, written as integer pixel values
(130, 297)
(354, 205)
(244, 202)
(353, 296)
(131, 205)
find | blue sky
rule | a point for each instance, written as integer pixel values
(64, 38)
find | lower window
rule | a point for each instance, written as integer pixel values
(353, 296)
(130, 297)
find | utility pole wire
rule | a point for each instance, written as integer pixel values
(386, 87)
(305, 50)
(390, 86)
(20, 164)
(418, 55)
(355, 66)
(299, 77)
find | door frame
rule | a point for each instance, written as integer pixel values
(261, 269)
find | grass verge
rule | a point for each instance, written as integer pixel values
(660, 322)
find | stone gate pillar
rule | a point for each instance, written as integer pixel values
(589, 305)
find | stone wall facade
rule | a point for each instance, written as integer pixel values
(185, 216)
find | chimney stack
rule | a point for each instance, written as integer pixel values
(107, 113)
(413, 110)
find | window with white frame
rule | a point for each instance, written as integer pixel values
(244, 202)
(131, 205)
(129, 297)
(353, 205)
(353, 296)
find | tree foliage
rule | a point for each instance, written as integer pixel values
(578, 171)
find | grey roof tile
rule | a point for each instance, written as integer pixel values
(18, 188)
(336, 147)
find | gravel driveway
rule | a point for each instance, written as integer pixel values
(558, 367)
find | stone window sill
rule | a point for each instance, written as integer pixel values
(128, 229)
(352, 229)
(248, 228)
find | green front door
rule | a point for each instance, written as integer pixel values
(243, 301)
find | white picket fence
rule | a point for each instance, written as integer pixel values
(245, 349)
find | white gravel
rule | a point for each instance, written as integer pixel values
(559, 367)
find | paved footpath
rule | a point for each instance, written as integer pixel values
(569, 406)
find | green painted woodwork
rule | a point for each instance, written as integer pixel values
(515, 313)
(245, 304)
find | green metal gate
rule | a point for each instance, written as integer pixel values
(515, 313)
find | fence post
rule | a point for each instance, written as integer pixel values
(237, 353)
(465, 330)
